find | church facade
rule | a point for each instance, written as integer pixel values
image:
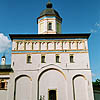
(48, 65)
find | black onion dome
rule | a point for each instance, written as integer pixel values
(49, 4)
(49, 10)
(3, 57)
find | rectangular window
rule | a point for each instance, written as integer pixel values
(57, 58)
(52, 95)
(71, 58)
(50, 26)
(3, 84)
(43, 59)
(29, 59)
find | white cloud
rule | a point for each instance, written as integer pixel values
(96, 29)
(93, 31)
(4, 43)
(97, 24)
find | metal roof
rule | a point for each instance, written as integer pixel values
(5, 68)
(48, 36)
(49, 11)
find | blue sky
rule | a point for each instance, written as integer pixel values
(79, 16)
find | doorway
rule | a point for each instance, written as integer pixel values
(52, 95)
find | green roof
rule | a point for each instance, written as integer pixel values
(49, 11)
(5, 68)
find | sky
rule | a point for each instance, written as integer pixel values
(79, 16)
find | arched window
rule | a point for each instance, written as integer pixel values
(57, 58)
(29, 59)
(71, 58)
(49, 26)
(3, 84)
(43, 59)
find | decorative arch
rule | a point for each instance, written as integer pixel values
(50, 66)
(18, 77)
(78, 75)
(51, 69)
(22, 76)
(45, 70)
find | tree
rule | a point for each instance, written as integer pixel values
(97, 82)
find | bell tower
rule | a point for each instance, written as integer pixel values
(3, 60)
(49, 21)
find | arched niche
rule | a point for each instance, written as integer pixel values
(80, 88)
(52, 79)
(22, 89)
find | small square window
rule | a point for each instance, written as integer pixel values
(57, 59)
(3, 84)
(43, 59)
(71, 58)
(29, 59)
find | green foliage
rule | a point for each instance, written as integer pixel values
(97, 82)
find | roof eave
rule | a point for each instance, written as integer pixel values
(48, 36)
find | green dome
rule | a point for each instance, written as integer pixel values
(49, 10)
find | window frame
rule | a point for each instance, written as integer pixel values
(71, 58)
(50, 26)
(58, 60)
(4, 81)
(29, 60)
(43, 60)
(51, 90)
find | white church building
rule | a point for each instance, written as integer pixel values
(48, 65)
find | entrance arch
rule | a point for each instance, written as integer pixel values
(49, 80)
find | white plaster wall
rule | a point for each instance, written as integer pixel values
(45, 22)
(43, 46)
(51, 80)
(3, 94)
(23, 88)
(81, 61)
(87, 84)
(14, 45)
(80, 90)
(86, 44)
(51, 46)
(80, 45)
(53, 24)
(36, 46)
(73, 45)
(54, 79)
(59, 45)
(65, 45)
(42, 27)
(28, 46)
(20, 62)
(20, 45)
